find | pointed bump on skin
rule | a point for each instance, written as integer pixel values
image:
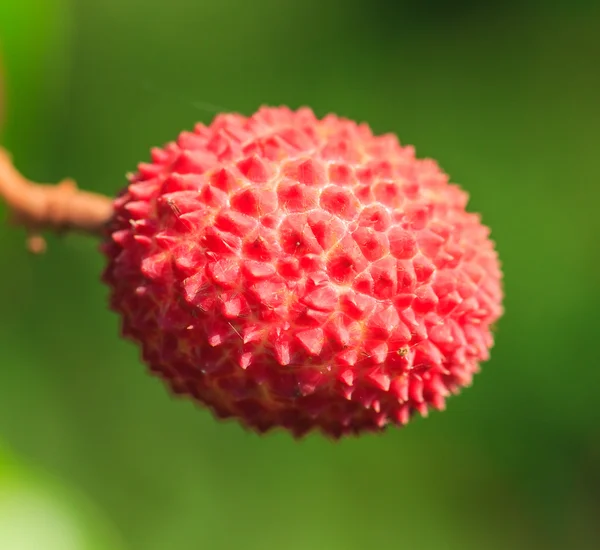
(399, 388)
(254, 169)
(324, 298)
(347, 377)
(377, 351)
(282, 352)
(245, 360)
(380, 380)
(312, 340)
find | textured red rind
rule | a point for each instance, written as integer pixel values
(302, 273)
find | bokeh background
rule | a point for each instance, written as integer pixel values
(506, 95)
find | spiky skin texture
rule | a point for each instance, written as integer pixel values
(302, 273)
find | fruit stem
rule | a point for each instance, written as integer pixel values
(58, 208)
(40, 207)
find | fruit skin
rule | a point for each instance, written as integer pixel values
(302, 273)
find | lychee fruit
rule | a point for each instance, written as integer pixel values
(302, 273)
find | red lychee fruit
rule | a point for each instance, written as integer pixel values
(299, 272)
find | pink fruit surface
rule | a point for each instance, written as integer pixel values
(302, 273)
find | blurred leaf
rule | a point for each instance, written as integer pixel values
(38, 512)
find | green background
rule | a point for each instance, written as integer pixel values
(505, 95)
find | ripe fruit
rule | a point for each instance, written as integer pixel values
(302, 273)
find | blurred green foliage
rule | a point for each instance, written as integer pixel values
(36, 510)
(504, 95)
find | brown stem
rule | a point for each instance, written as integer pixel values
(58, 208)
